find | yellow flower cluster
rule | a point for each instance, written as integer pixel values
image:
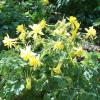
(9, 42)
(62, 27)
(28, 55)
(36, 30)
(61, 42)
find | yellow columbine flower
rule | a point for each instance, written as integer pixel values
(72, 19)
(45, 2)
(20, 28)
(34, 61)
(57, 69)
(26, 54)
(79, 52)
(58, 45)
(36, 30)
(91, 32)
(9, 42)
(28, 83)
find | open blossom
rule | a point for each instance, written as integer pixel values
(37, 29)
(28, 83)
(20, 28)
(26, 53)
(58, 45)
(9, 42)
(72, 19)
(34, 61)
(91, 32)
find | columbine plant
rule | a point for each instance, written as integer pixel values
(51, 53)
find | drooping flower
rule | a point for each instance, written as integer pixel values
(58, 45)
(28, 83)
(9, 42)
(91, 32)
(57, 69)
(20, 28)
(35, 28)
(26, 53)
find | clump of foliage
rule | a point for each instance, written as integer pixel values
(49, 62)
